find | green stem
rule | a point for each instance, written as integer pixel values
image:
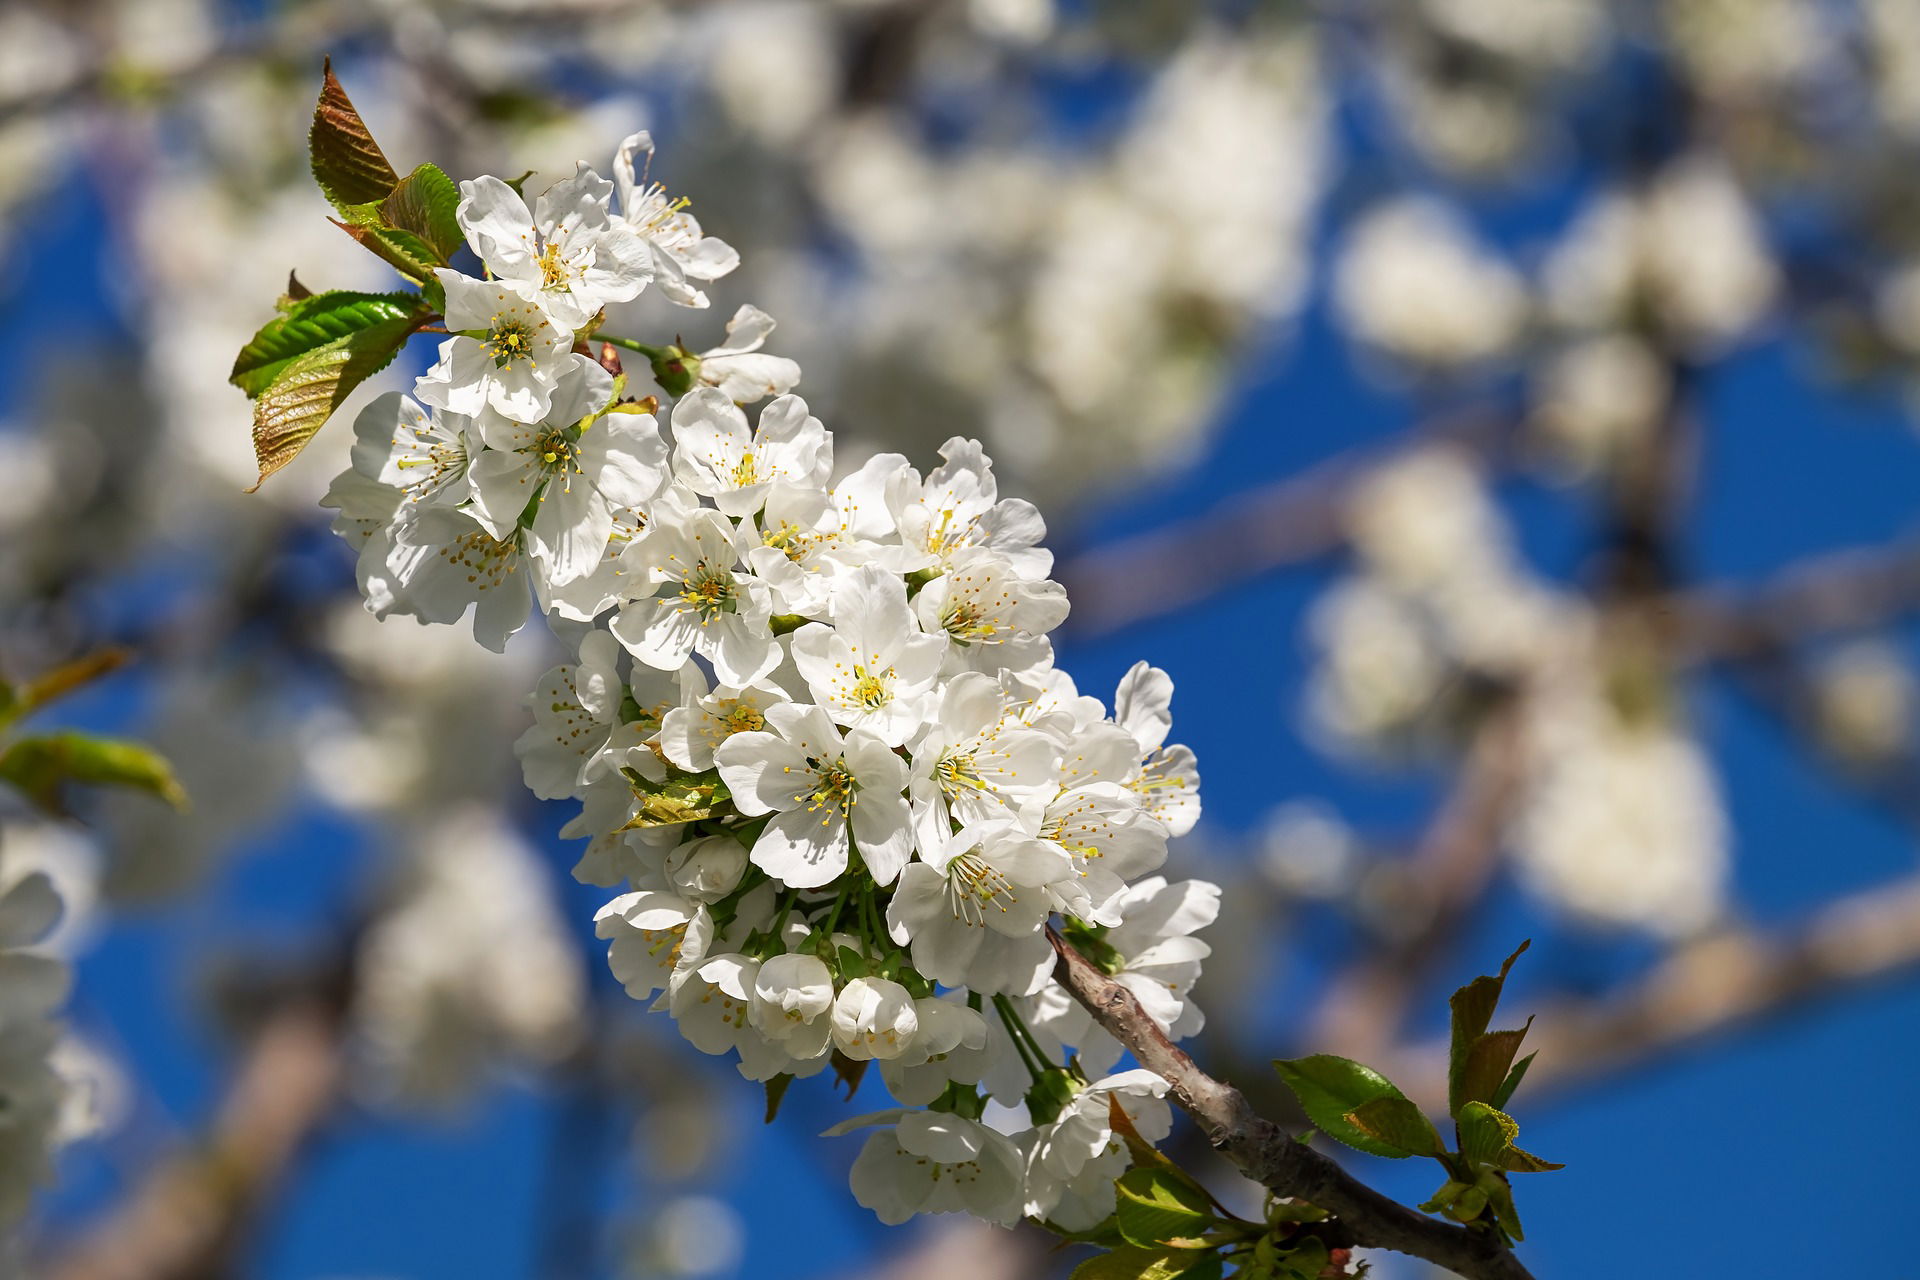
(833, 916)
(1035, 1063)
(1033, 1043)
(628, 343)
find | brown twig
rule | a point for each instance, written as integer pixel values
(1841, 591)
(1264, 1152)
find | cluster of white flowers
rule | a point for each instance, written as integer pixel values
(1686, 251)
(471, 964)
(1414, 282)
(814, 724)
(1618, 818)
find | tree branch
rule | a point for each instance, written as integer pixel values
(185, 1221)
(1840, 591)
(1443, 880)
(1285, 522)
(1264, 1152)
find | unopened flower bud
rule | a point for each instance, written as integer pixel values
(676, 369)
(708, 868)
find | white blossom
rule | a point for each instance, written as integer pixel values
(716, 456)
(972, 910)
(827, 792)
(507, 354)
(567, 253)
(871, 669)
(738, 369)
(933, 1162)
(681, 251)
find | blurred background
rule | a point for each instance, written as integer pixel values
(1497, 415)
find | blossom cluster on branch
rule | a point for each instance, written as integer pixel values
(814, 724)
(815, 729)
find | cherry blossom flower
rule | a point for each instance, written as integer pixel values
(567, 254)
(828, 793)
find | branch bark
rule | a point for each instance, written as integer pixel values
(1264, 1152)
(1839, 591)
(1444, 879)
(1288, 521)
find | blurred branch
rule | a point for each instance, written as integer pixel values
(1286, 522)
(1708, 988)
(1439, 885)
(1265, 1152)
(1843, 591)
(186, 1221)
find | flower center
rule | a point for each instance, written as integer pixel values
(446, 458)
(743, 719)
(556, 449)
(966, 621)
(1071, 830)
(483, 559)
(956, 772)
(746, 471)
(944, 536)
(555, 271)
(793, 541)
(871, 690)
(834, 789)
(974, 885)
(510, 339)
(710, 591)
(654, 211)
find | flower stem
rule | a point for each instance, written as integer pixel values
(1030, 1057)
(629, 343)
(833, 916)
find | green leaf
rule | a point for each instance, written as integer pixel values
(425, 203)
(1443, 1200)
(313, 322)
(1485, 1132)
(1500, 1197)
(405, 252)
(1135, 1263)
(1159, 1207)
(1331, 1088)
(776, 1090)
(1105, 1234)
(1514, 1160)
(1484, 1069)
(852, 964)
(347, 163)
(43, 765)
(19, 701)
(1472, 1007)
(307, 389)
(1399, 1124)
(849, 1071)
(1305, 1261)
(1504, 1093)
(688, 798)
(1486, 1137)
